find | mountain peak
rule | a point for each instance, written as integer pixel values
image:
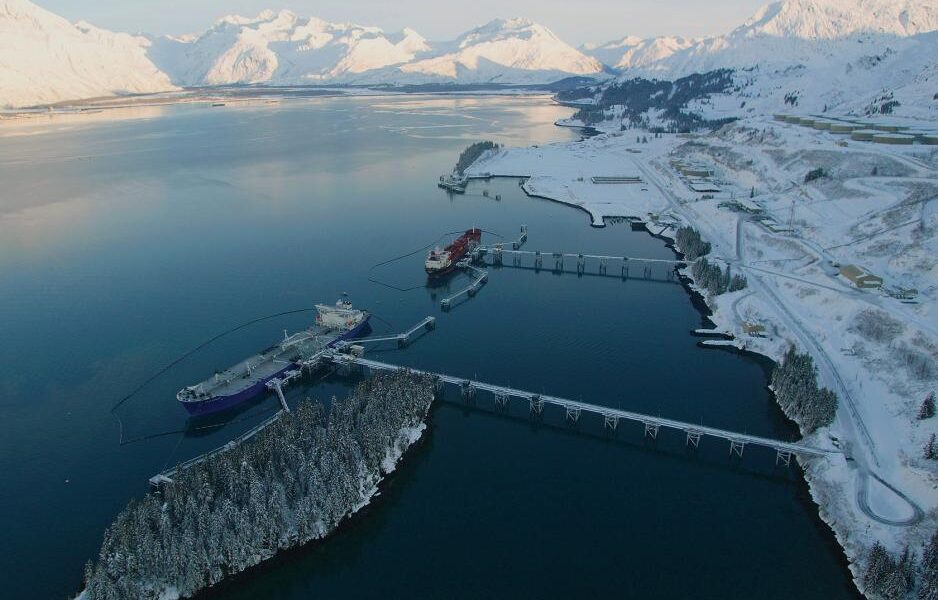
(837, 19)
(47, 59)
(501, 24)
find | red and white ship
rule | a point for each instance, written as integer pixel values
(443, 261)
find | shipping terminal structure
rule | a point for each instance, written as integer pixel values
(249, 378)
(443, 261)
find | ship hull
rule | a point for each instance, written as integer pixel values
(224, 402)
(441, 272)
(219, 403)
(359, 330)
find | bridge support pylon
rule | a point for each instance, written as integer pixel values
(573, 414)
(783, 456)
(611, 422)
(737, 447)
(693, 438)
(468, 390)
(651, 429)
(536, 405)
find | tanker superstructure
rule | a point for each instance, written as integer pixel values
(249, 378)
(441, 261)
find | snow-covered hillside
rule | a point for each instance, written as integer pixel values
(811, 55)
(512, 50)
(46, 59)
(846, 56)
(635, 53)
(281, 47)
(804, 32)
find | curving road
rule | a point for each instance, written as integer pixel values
(853, 425)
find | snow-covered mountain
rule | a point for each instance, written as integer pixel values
(820, 51)
(508, 50)
(802, 32)
(633, 52)
(45, 59)
(835, 19)
(280, 47)
(809, 55)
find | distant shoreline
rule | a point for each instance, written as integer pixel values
(270, 94)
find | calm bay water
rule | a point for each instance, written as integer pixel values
(127, 241)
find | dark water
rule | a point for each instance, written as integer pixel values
(125, 243)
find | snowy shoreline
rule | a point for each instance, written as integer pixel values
(852, 500)
(300, 480)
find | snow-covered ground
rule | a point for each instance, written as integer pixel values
(44, 59)
(876, 207)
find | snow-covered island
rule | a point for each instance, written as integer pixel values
(836, 239)
(293, 484)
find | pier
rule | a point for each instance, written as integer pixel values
(167, 476)
(455, 185)
(348, 362)
(479, 278)
(606, 265)
(611, 416)
(600, 258)
(402, 339)
(310, 364)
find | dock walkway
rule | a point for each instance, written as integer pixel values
(611, 416)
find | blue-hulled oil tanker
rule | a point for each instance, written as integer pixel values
(249, 377)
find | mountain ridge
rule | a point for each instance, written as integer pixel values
(785, 46)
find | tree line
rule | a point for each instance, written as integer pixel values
(889, 578)
(638, 97)
(291, 484)
(691, 244)
(472, 154)
(707, 275)
(794, 382)
(715, 279)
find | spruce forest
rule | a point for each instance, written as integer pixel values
(293, 483)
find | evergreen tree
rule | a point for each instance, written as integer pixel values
(737, 283)
(794, 381)
(879, 569)
(927, 410)
(928, 588)
(473, 153)
(294, 482)
(931, 448)
(690, 243)
(906, 570)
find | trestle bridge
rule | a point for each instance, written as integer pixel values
(348, 357)
(573, 409)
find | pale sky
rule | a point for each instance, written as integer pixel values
(575, 21)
